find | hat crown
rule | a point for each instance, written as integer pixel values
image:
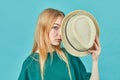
(80, 30)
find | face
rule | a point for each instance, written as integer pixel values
(55, 33)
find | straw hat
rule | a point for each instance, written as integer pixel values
(79, 29)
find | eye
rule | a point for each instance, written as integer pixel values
(55, 27)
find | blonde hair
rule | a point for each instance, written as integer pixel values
(41, 38)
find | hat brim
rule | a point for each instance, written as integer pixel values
(66, 44)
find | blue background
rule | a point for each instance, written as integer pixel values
(18, 20)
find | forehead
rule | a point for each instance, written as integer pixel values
(58, 21)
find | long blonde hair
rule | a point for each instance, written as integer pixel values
(41, 38)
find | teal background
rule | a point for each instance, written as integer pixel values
(18, 20)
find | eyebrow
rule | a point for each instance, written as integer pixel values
(57, 24)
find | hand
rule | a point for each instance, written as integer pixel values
(96, 49)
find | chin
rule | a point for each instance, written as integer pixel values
(57, 44)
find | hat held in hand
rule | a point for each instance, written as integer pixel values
(79, 29)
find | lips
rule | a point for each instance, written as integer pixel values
(59, 40)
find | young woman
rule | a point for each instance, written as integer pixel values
(48, 61)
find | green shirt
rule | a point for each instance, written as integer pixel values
(55, 69)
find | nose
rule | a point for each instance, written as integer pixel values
(59, 32)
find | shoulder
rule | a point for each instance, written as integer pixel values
(29, 66)
(33, 58)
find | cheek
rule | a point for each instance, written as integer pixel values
(52, 35)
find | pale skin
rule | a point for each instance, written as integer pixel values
(55, 33)
(95, 52)
(55, 39)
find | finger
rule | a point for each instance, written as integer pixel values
(91, 51)
(97, 40)
(96, 45)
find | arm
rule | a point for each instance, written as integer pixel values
(95, 51)
(95, 72)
